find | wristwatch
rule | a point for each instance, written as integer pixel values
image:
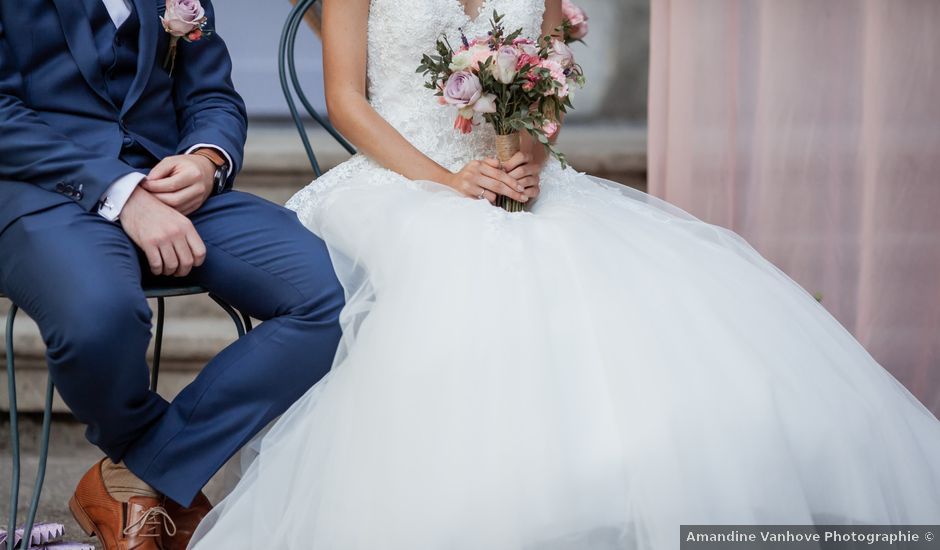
(221, 167)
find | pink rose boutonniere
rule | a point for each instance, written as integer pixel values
(184, 19)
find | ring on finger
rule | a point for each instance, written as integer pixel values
(482, 194)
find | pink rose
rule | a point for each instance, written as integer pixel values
(182, 17)
(479, 54)
(526, 59)
(532, 78)
(463, 89)
(558, 75)
(576, 19)
(504, 67)
(561, 54)
(527, 46)
(550, 128)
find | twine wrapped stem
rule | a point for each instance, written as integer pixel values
(506, 147)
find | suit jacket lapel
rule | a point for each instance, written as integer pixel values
(149, 36)
(77, 29)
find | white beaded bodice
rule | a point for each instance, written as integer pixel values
(400, 32)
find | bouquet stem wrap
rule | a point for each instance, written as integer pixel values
(506, 147)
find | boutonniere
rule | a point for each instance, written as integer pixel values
(182, 19)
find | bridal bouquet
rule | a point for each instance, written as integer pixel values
(514, 83)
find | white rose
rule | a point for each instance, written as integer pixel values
(461, 61)
(504, 68)
(486, 104)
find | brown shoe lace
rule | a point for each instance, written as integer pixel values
(151, 522)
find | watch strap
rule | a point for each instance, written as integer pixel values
(214, 156)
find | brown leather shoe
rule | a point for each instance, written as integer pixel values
(186, 521)
(135, 525)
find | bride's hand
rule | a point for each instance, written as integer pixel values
(484, 179)
(526, 169)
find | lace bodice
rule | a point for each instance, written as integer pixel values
(400, 32)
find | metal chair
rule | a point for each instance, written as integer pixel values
(290, 84)
(160, 293)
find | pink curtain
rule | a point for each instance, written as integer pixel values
(812, 128)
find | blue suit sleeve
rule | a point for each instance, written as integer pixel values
(32, 151)
(209, 110)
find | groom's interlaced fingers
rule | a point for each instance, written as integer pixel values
(122, 136)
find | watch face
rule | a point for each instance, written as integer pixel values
(220, 177)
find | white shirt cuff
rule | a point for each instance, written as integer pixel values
(217, 148)
(114, 199)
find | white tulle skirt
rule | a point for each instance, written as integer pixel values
(586, 376)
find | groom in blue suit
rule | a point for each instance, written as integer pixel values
(116, 169)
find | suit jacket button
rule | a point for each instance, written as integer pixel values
(60, 187)
(127, 141)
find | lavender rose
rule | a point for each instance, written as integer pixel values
(182, 17)
(504, 67)
(463, 89)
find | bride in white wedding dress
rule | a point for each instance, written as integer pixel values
(585, 376)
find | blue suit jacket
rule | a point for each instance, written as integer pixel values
(61, 135)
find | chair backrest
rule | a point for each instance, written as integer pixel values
(293, 91)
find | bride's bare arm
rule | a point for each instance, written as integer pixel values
(345, 28)
(553, 18)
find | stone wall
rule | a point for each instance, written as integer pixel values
(615, 58)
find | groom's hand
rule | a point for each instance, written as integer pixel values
(167, 237)
(183, 182)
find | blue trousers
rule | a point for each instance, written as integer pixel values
(79, 277)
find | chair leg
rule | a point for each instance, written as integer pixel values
(15, 443)
(41, 468)
(158, 344)
(14, 429)
(231, 313)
